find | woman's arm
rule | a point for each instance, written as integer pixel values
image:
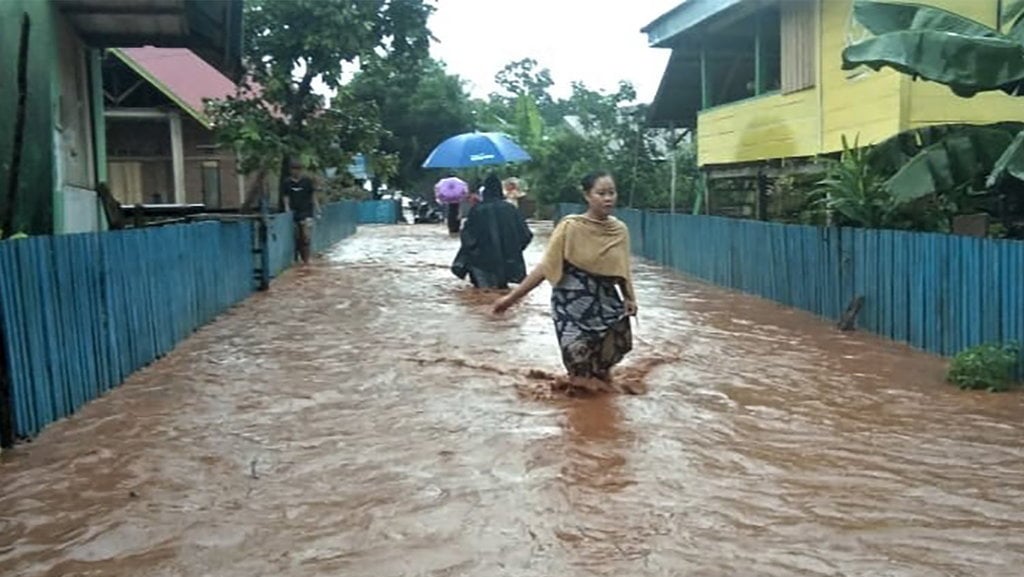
(531, 282)
(629, 299)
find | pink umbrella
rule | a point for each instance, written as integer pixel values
(451, 190)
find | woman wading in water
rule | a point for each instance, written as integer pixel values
(586, 261)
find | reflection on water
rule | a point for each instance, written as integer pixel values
(367, 418)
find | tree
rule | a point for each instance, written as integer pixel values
(290, 45)
(591, 129)
(525, 78)
(419, 107)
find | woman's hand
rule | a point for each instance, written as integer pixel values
(529, 283)
(501, 305)
(631, 308)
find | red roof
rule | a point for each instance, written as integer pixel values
(181, 75)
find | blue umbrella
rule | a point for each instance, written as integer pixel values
(475, 149)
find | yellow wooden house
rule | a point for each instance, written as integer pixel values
(761, 83)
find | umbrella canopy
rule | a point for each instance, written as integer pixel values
(475, 149)
(451, 190)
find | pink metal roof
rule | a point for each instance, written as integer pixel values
(182, 75)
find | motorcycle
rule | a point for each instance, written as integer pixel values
(425, 212)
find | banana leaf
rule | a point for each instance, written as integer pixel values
(888, 156)
(1011, 18)
(884, 18)
(528, 121)
(959, 160)
(1011, 163)
(937, 45)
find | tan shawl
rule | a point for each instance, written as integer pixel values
(599, 247)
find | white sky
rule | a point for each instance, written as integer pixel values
(596, 41)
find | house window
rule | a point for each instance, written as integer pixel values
(742, 59)
(211, 183)
(798, 45)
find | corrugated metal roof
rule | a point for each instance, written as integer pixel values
(184, 77)
(665, 28)
(210, 28)
(679, 94)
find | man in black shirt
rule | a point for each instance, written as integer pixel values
(300, 198)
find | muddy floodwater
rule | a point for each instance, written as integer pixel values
(367, 417)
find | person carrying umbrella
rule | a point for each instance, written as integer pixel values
(451, 191)
(469, 150)
(493, 241)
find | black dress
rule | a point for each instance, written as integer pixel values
(493, 241)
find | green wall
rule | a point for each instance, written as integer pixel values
(34, 196)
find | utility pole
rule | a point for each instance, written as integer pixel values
(672, 166)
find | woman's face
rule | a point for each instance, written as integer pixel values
(602, 196)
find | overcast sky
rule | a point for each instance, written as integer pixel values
(596, 41)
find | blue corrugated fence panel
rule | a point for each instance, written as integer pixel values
(377, 212)
(79, 313)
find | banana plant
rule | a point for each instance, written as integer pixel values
(968, 57)
(941, 160)
(854, 189)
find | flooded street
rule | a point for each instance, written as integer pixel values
(365, 418)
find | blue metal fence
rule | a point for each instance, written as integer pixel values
(378, 212)
(79, 313)
(940, 293)
(338, 221)
(280, 242)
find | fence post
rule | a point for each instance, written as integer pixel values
(262, 241)
(6, 397)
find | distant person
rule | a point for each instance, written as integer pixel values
(472, 199)
(513, 192)
(587, 263)
(299, 196)
(450, 192)
(493, 241)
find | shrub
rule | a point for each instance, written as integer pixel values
(989, 367)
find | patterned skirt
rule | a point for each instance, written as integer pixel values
(590, 319)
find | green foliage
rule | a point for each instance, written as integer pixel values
(419, 107)
(588, 130)
(919, 179)
(559, 163)
(960, 160)
(967, 56)
(341, 187)
(855, 190)
(1010, 164)
(940, 46)
(989, 367)
(15, 236)
(526, 78)
(292, 44)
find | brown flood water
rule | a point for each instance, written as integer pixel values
(364, 418)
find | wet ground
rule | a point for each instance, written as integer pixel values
(366, 418)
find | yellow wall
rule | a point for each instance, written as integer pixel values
(863, 104)
(772, 126)
(932, 103)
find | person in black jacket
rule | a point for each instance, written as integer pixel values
(493, 241)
